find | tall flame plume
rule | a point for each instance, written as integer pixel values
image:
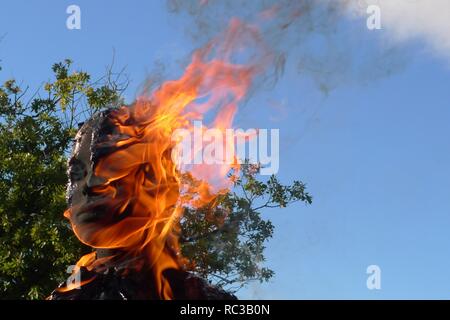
(151, 195)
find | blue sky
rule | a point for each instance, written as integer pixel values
(374, 155)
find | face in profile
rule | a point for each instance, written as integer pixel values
(93, 200)
(89, 206)
(82, 180)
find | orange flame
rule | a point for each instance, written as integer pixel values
(143, 182)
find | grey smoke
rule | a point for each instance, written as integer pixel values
(317, 37)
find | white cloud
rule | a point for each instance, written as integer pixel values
(411, 19)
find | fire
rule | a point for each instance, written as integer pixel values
(152, 194)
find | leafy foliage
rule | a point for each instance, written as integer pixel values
(225, 240)
(36, 243)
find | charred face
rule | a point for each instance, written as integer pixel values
(112, 192)
(123, 188)
(85, 196)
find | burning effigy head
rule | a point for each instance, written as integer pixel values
(86, 205)
(123, 191)
(123, 185)
(123, 195)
